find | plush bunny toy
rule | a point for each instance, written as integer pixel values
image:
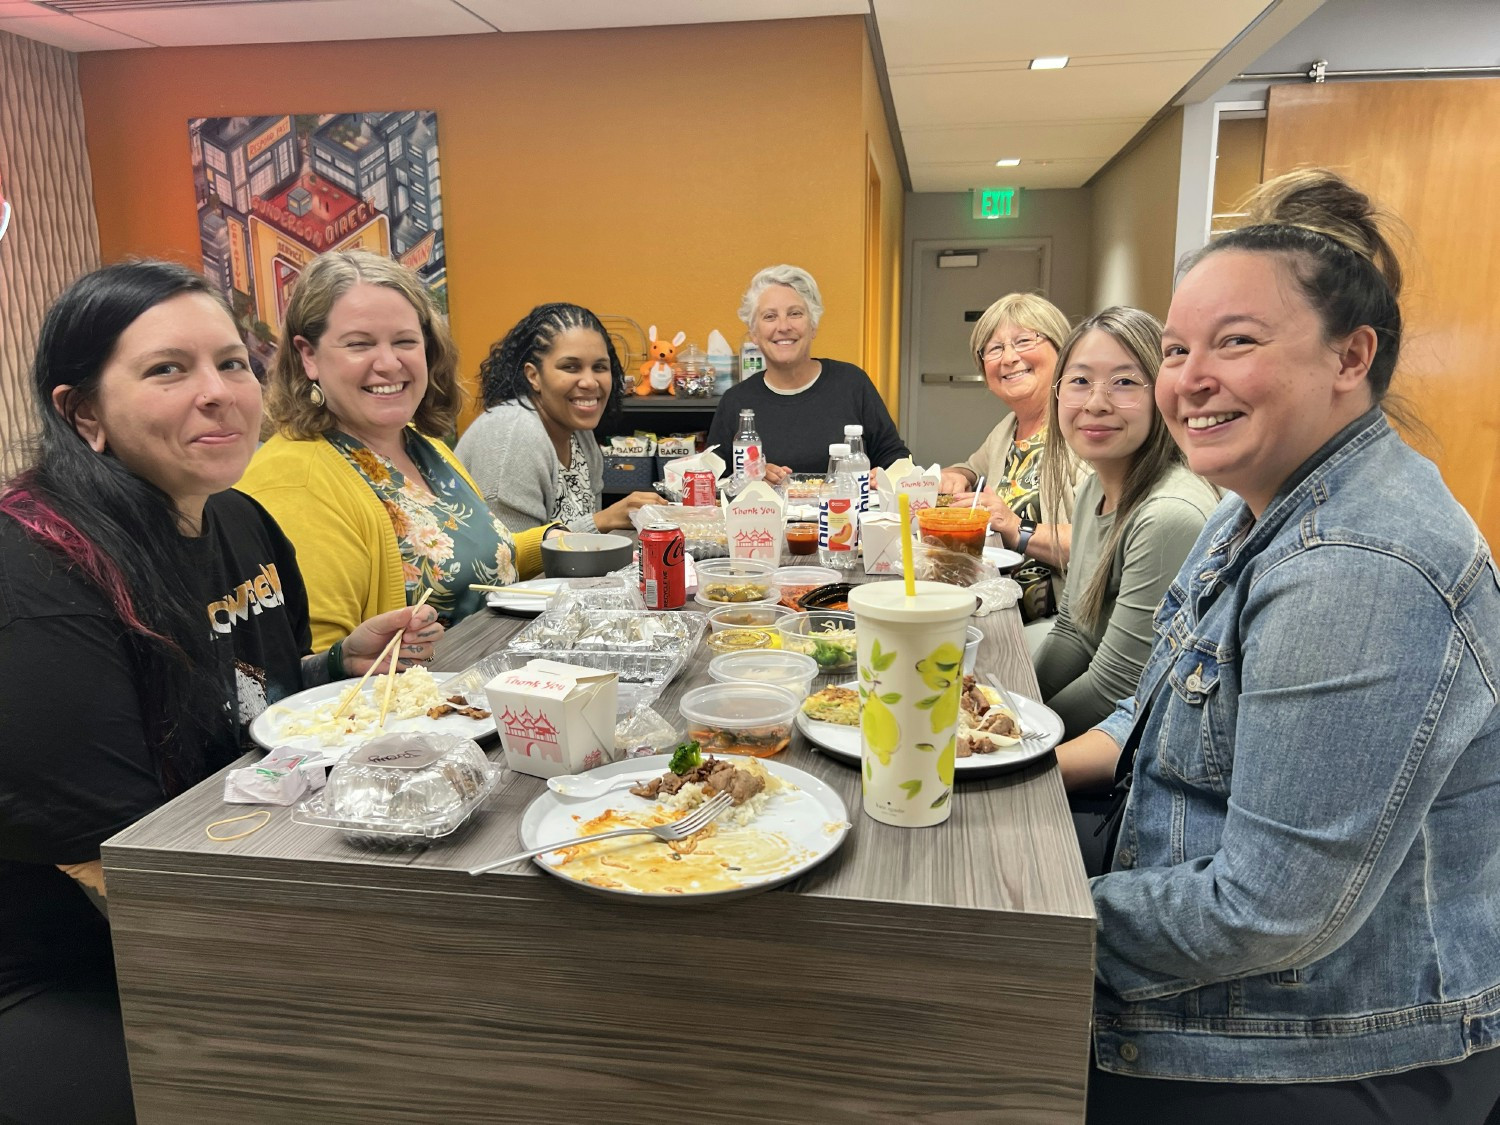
(658, 373)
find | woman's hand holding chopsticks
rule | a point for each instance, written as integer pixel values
(368, 647)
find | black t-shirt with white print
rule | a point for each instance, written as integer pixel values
(74, 767)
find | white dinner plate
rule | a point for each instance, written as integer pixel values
(266, 728)
(1003, 559)
(524, 604)
(1042, 725)
(807, 825)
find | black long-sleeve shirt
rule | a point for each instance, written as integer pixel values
(797, 429)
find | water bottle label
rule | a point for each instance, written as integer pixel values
(864, 491)
(739, 461)
(823, 525)
(754, 463)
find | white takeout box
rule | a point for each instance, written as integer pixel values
(554, 718)
(756, 524)
(918, 483)
(672, 472)
(880, 542)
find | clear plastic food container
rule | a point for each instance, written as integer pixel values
(740, 718)
(791, 670)
(403, 788)
(747, 616)
(826, 635)
(736, 582)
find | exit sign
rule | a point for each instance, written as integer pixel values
(997, 203)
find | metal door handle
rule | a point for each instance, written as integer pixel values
(933, 377)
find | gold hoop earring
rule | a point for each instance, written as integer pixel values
(316, 395)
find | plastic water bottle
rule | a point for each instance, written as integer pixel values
(838, 514)
(749, 463)
(859, 464)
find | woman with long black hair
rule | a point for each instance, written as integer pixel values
(147, 611)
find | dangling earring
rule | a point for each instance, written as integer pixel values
(316, 395)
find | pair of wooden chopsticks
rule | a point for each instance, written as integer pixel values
(520, 590)
(390, 682)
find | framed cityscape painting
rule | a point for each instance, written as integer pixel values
(274, 192)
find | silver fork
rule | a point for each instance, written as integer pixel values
(695, 822)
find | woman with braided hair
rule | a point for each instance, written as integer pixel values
(547, 386)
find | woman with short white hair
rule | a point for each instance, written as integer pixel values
(801, 403)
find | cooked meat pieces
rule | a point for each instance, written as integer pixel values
(457, 705)
(999, 721)
(717, 776)
(973, 699)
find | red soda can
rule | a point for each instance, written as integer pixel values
(663, 568)
(698, 487)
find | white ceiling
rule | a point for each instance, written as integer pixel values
(957, 69)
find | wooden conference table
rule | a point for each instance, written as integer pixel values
(938, 974)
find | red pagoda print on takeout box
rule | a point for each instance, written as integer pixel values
(555, 718)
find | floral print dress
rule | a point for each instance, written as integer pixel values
(1022, 491)
(575, 494)
(447, 537)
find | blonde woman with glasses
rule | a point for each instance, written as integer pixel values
(1134, 519)
(1015, 345)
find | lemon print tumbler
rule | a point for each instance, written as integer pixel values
(911, 670)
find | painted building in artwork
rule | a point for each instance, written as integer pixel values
(244, 157)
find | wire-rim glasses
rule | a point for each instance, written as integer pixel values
(1074, 391)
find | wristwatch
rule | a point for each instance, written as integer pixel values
(1028, 529)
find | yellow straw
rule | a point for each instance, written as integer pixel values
(904, 503)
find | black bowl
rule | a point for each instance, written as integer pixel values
(835, 595)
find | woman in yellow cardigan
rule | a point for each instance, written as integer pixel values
(377, 507)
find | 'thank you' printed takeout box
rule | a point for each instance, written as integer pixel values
(554, 718)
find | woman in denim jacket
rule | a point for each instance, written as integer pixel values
(1302, 922)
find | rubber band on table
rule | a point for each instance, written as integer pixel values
(209, 831)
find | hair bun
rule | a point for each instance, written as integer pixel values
(1320, 200)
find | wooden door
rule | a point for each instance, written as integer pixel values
(1429, 151)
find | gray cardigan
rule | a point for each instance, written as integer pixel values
(509, 455)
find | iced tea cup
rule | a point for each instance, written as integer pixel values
(957, 529)
(911, 654)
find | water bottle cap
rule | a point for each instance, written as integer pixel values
(854, 431)
(838, 449)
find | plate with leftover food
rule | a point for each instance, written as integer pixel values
(306, 721)
(783, 823)
(990, 738)
(525, 599)
(1002, 558)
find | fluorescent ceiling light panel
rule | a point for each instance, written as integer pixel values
(1008, 162)
(1054, 62)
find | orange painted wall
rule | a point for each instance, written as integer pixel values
(883, 366)
(646, 172)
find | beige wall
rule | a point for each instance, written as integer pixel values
(883, 220)
(1135, 224)
(53, 237)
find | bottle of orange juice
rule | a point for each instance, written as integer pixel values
(838, 514)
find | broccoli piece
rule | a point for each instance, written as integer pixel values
(829, 655)
(686, 758)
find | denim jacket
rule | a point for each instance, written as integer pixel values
(1307, 880)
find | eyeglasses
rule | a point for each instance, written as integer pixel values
(1074, 391)
(1021, 344)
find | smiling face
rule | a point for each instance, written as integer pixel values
(783, 327)
(371, 362)
(571, 387)
(1023, 379)
(1103, 431)
(1249, 386)
(177, 403)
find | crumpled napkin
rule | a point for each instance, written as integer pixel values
(995, 593)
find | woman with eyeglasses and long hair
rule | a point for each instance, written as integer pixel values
(1134, 519)
(1015, 345)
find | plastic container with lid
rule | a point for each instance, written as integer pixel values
(736, 582)
(403, 788)
(750, 719)
(790, 670)
(827, 636)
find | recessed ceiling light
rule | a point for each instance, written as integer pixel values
(1054, 62)
(1008, 162)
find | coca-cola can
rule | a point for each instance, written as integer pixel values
(698, 487)
(663, 568)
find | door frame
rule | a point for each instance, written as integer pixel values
(911, 315)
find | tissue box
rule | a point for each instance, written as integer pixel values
(555, 718)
